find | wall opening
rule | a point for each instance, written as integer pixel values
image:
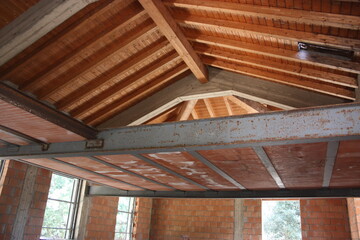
(124, 218)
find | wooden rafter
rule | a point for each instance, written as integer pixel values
(186, 110)
(174, 34)
(194, 114)
(115, 89)
(228, 106)
(282, 14)
(289, 80)
(35, 23)
(94, 60)
(291, 55)
(116, 70)
(280, 33)
(241, 104)
(302, 71)
(209, 107)
(111, 109)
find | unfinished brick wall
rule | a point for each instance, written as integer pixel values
(11, 189)
(101, 218)
(252, 220)
(195, 218)
(142, 220)
(324, 219)
(354, 217)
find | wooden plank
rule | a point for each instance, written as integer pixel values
(228, 107)
(221, 83)
(241, 104)
(94, 60)
(194, 114)
(168, 26)
(296, 70)
(282, 14)
(115, 89)
(186, 110)
(272, 32)
(35, 23)
(282, 53)
(116, 70)
(110, 110)
(289, 80)
(209, 107)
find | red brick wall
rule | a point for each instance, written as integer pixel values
(354, 217)
(324, 219)
(142, 220)
(195, 218)
(101, 218)
(11, 186)
(252, 220)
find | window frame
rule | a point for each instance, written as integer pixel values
(72, 215)
(130, 221)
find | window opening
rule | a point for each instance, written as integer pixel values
(61, 208)
(281, 220)
(124, 218)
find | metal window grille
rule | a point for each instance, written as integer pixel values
(61, 208)
(124, 218)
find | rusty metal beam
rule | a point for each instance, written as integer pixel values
(322, 124)
(17, 98)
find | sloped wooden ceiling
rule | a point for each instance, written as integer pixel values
(111, 54)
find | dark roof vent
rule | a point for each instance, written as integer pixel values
(335, 52)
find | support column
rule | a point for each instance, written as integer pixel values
(238, 219)
(353, 205)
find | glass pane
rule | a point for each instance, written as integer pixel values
(56, 214)
(61, 188)
(124, 203)
(53, 233)
(121, 222)
(281, 220)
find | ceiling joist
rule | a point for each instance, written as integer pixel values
(168, 26)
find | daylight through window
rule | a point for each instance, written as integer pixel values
(124, 218)
(281, 220)
(61, 208)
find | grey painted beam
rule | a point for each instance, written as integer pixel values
(18, 99)
(260, 152)
(221, 83)
(321, 124)
(331, 153)
(34, 24)
(247, 194)
(147, 160)
(216, 169)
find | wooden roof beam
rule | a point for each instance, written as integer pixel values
(241, 104)
(221, 83)
(209, 107)
(267, 31)
(168, 26)
(282, 14)
(297, 56)
(35, 23)
(186, 110)
(228, 106)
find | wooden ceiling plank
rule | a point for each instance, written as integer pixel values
(176, 37)
(242, 105)
(298, 56)
(222, 83)
(115, 89)
(186, 110)
(35, 23)
(298, 82)
(302, 71)
(116, 70)
(278, 33)
(112, 108)
(194, 114)
(42, 76)
(94, 60)
(209, 107)
(17, 63)
(282, 14)
(228, 106)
